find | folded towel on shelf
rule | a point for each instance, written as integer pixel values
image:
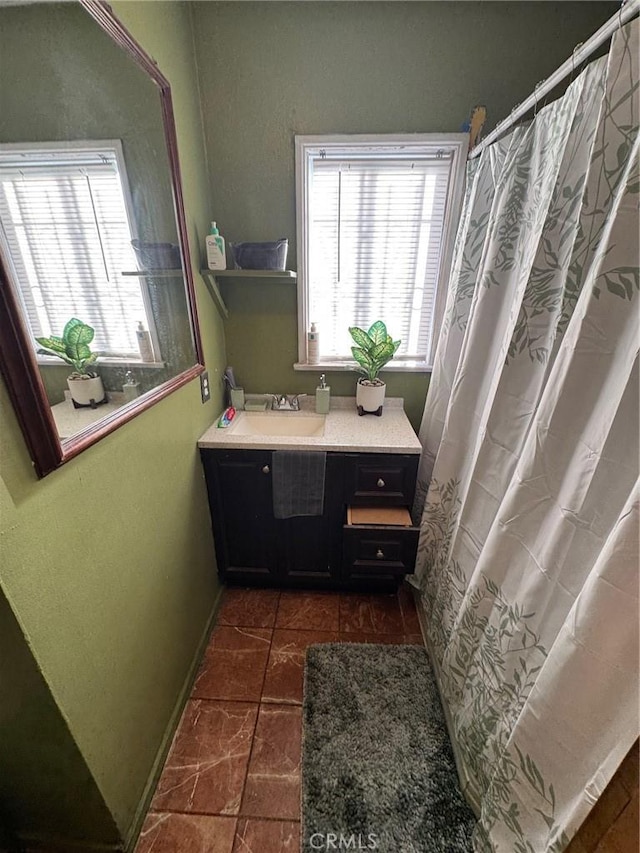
(298, 482)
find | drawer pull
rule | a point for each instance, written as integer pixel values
(380, 554)
(381, 483)
(266, 469)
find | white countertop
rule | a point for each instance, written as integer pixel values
(70, 420)
(344, 431)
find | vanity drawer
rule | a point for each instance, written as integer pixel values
(379, 480)
(378, 543)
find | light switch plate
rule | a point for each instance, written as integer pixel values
(205, 388)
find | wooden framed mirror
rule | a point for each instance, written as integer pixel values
(92, 228)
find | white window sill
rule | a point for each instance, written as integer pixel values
(134, 362)
(350, 366)
(105, 361)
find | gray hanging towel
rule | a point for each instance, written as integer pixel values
(298, 482)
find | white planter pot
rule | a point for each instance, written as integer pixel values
(83, 391)
(370, 398)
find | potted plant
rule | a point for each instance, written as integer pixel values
(375, 348)
(73, 347)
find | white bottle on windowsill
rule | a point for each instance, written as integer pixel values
(313, 345)
(144, 343)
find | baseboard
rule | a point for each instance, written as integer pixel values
(62, 845)
(417, 600)
(465, 783)
(161, 756)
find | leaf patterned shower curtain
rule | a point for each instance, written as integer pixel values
(528, 486)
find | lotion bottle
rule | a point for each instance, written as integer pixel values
(216, 259)
(313, 345)
(323, 397)
(144, 343)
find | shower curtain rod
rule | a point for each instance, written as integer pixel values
(580, 53)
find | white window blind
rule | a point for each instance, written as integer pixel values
(65, 226)
(374, 218)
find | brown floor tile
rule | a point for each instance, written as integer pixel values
(604, 814)
(234, 664)
(249, 608)
(272, 788)
(371, 614)
(623, 835)
(576, 846)
(408, 608)
(208, 760)
(629, 770)
(267, 836)
(308, 611)
(182, 833)
(285, 670)
(414, 639)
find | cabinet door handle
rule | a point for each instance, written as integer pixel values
(381, 483)
(265, 469)
(380, 554)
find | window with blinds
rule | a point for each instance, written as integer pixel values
(66, 231)
(373, 220)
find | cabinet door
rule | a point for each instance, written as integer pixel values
(239, 485)
(309, 546)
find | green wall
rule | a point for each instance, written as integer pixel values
(108, 564)
(269, 71)
(38, 753)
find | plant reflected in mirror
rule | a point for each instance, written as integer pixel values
(85, 386)
(73, 347)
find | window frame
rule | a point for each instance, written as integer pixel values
(95, 146)
(458, 144)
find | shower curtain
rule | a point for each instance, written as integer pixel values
(528, 486)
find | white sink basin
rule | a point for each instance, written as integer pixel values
(276, 423)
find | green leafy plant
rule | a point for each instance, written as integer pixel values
(73, 348)
(375, 348)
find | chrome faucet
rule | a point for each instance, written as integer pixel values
(286, 402)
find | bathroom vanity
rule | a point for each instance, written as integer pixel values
(364, 538)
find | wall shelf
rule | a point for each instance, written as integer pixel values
(276, 276)
(159, 273)
(212, 277)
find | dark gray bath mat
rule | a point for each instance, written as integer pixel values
(377, 765)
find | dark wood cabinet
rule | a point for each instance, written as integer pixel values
(309, 546)
(244, 529)
(325, 551)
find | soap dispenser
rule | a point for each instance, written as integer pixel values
(323, 397)
(131, 388)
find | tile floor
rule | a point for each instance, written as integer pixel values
(231, 782)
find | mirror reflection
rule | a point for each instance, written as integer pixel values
(87, 222)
